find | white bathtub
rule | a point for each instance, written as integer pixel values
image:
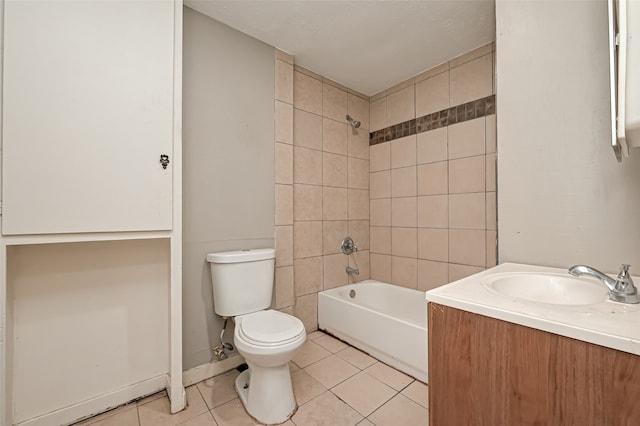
(386, 321)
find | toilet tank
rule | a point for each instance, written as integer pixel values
(242, 280)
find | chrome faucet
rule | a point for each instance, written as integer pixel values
(621, 289)
(348, 246)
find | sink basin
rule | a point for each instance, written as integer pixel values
(555, 289)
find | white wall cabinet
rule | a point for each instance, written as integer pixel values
(87, 113)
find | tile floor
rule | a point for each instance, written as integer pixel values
(334, 384)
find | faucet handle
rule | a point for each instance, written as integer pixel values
(624, 272)
(624, 282)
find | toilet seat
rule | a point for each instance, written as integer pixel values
(269, 328)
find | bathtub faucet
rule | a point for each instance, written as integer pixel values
(351, 270)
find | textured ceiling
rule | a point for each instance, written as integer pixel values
(365, 45)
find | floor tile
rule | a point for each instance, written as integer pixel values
(389, 376)
(365, 422)
(356, 357)
(232, 414)
(219, 389)
(326, 410)
(330, 343)
(204, 419)
(417, 392)
(309, 353)
(152, 397)
(331, 371)
(293, 367)
(314, 335)
(305, 387)
(158, 412)
(364, 393)
(400, 410)
(110, 413)
(127, 417)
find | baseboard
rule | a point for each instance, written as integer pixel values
(208, 370)
(102, 403)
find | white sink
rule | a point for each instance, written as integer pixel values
(555, 289)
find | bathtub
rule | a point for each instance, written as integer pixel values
(386, 321)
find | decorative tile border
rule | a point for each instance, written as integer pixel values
(457, 114)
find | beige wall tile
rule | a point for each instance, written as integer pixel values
(404, 271)
(401, 106)
(284, 163)
(432, 72)
(306, 309)
(467, 247)
(358, 143)
(284, 204)
(404, 242)
(381, 212)
(307, 239)
(380, 184)
(307, 202)
(432, 274)
(307, 93)
(472, 80)
(432, 94)
(380, 157)
(403, 152)
(333, 232)
(402, 85)
(490, 129)
(334, 170)
(457, 272)
(307, 72)
(403, 182)
(380, 267)
(360, 261)
(359, 231)
(378, 114)
(335, 273)
(473, 54)
(307, 166)
(307, 129)
(358, 108)
(433, 244)
(378, 96)
(284, 82)
(432, 146)
(433, 178)
(284, 292)
(467, 175)
(284, 122)
(308, 275)
(334, 136)
(467, 211)
(492, 219)
(492, 237)
(284, 56)
(467, 139)
(284, 245)
(334, 204)
(490, 168)
(381, 239)
(404, 212)
(433, 211)
(334, 102)
(358, 204)
(358, 172)
(288, 310)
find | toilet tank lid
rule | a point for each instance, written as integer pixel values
(241, 256)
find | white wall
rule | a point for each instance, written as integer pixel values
(88, 319)
(228, 168)
(562, 197)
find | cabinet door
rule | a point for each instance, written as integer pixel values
(87, 113)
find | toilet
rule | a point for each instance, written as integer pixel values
(267, 339)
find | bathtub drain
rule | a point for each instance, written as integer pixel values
(352, 294)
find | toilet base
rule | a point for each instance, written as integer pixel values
(267, 393)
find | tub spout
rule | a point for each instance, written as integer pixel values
(351, 270)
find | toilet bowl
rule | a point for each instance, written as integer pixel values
(267, 340)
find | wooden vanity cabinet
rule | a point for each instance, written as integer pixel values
(484, 371)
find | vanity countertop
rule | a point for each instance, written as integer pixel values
(610, 324)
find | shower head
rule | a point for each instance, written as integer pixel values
(354, 123)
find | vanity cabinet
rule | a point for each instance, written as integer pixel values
(88, 111)
(483, 371)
